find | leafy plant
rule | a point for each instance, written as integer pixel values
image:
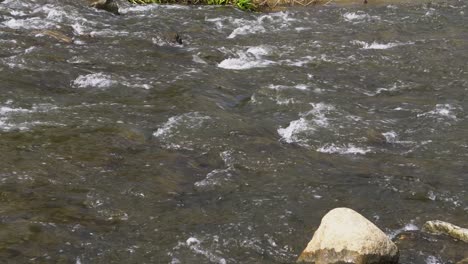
(247, 5)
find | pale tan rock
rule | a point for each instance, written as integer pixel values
(440, 227)
(345, 236)
(55, 34)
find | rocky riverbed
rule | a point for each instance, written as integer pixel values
(122, 142)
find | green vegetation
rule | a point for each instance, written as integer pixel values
(247, 5)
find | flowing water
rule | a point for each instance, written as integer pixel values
(119, 146)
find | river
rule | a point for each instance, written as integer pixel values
(120, 146)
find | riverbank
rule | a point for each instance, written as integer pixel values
(254, 5)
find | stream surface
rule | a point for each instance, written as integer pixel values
(119, 146)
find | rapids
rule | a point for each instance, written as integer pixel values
(120, 146)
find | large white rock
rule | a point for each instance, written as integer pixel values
(345, 236)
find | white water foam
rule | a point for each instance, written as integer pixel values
(195, 245)
(285, 87)
(169, 132)
(290, 133)
(5, 114)
(441, 111)
(358, 17)
(262, 24)
(308, 123)
(53, 12)
(352, 16)
(138, 9)
(284, 101)
(343, 149)
(95, 80)
(253, 57)
(390, 137)
(147, 9)
(433, 260)
(12, 118)
(29, 23)
(407, 227)
(379, 46)
(393, 88)
(246, 30)
(218, 176)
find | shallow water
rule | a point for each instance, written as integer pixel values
(122, 147)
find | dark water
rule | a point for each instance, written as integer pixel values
(118, 146)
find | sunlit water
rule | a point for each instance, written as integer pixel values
(122, 147)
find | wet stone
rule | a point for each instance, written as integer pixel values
(174, 37)
(345, 236)
(440, 227)
(107, 5)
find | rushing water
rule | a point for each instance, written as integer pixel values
(118, 146)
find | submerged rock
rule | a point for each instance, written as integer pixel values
(173, 37)
(440, 227)
(107, 5)
(375, 137)
(345, 236)
(56, 35)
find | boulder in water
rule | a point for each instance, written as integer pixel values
(440, 227)
(107, 5)
(173, 37)
(345, 236)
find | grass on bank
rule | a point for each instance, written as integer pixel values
(246, 5)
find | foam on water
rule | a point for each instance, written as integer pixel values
(290, 133)
(407, 227)
(5, 114)
(253, 57)
(285, 87)
(169, 132)
(138, 9)
(433, 260)
(247, 29)
(393, 88)
(343, 149)
(300, 62)
(94, 80)
(78, 29)
(359, 17)
(53, 12)
(284, 101)
(441, 111)
(307, 124)
(29, 23)
(390, 137)
(262, 24)
(352, 16)
(195, 245)
(14, 118)
(379, 46)
(218, 176)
